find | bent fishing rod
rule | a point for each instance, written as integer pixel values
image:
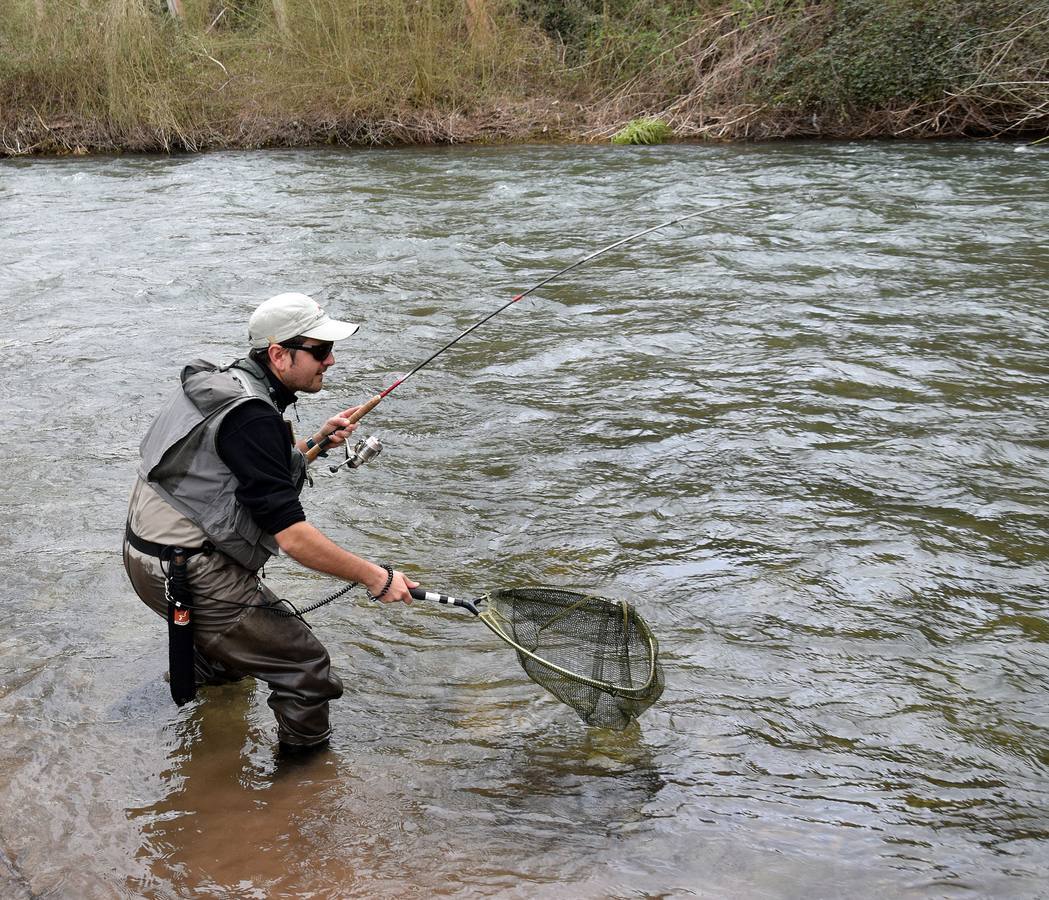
(368, 449)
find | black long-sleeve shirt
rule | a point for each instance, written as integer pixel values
(254, 440)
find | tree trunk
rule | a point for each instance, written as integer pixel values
(280, 13)
(175, 8)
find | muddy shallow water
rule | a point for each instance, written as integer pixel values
(806, 436)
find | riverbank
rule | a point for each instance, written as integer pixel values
(128, 75)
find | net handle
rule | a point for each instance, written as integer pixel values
(419, 593)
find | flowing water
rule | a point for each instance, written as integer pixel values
(808, 436)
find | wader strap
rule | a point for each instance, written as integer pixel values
(180, 629)
(163, 551)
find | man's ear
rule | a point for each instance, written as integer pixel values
(278, 357)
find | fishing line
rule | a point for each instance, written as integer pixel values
(367, 450)
(361, 451)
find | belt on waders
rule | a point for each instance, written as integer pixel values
(173, 562)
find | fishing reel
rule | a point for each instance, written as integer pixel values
(364, 451)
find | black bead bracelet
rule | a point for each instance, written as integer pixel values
(386, 587)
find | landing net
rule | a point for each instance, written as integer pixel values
(596, 655)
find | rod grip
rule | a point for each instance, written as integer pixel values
(363, 410)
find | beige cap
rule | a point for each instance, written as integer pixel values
(293, 315)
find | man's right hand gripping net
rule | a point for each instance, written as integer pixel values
(596, 655)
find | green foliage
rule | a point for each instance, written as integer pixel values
(572, 23)
(649, 130)
(1005, 64)
(747, 12)
(238, 14)
(618, 39)
(854, 56)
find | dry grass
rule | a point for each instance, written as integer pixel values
(1008, 91)
(122, 76)
(100, 75)
(734, 55)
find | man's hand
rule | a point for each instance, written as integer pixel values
(397, 591)
(338, 428)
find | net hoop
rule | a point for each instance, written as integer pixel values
(490, 617)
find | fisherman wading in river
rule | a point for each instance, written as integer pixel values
(217, 495)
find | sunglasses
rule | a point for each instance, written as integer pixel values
(319, 352)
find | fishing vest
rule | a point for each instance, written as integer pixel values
(181, 462)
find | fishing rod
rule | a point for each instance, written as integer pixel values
(370, 448)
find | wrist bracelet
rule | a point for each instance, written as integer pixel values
(386, 587)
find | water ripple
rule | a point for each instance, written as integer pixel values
(805, 436)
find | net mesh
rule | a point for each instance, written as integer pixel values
(596, 655)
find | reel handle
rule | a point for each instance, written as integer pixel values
(419, 593)
(318, 448)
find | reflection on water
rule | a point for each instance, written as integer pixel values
(805, 437)
(237, 819)
(224, 795)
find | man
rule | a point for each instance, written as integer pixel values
(220, 478)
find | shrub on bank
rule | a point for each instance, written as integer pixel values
(785, 68)
(915, 59)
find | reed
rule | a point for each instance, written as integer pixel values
(113, 76)
(123, 74)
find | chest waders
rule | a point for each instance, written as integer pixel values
(181, 658)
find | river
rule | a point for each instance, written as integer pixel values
(807, 436)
